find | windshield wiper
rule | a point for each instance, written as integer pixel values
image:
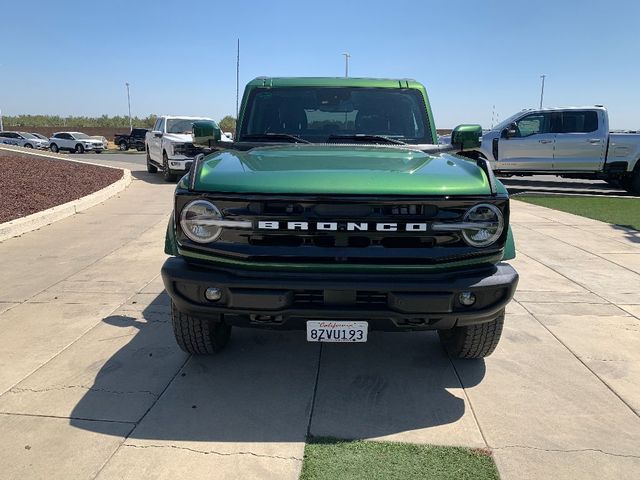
(274, 136)
(363, 137)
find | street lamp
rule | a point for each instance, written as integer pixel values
(542, 89)
(129, 104)
(346, 63)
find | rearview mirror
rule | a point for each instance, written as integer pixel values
(157, 133)
(467, 137)
(206, 134)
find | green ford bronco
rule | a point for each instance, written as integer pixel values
(336, 211)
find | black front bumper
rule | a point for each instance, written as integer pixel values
(389, 302)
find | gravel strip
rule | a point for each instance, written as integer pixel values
(31, 184)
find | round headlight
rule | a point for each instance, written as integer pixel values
(483, 225)
(199, 221)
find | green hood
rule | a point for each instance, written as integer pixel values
(340, 169)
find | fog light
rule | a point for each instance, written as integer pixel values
(213, 294)
(467, 298)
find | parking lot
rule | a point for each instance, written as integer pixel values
(92, 384)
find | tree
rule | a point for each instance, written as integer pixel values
(228, 124)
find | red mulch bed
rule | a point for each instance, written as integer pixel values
(30, 184)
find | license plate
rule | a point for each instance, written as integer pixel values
(331, 331)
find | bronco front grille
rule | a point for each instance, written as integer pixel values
(344, 244)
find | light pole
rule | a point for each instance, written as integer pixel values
(237, 78)
(1, 124)
(542, 89)
(129, 104)
(346, 63)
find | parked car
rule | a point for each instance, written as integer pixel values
(23, 139)
(135, 139)
(105, 142)
(170, 146)
(41, 137)
(568, 142)
(77, 142)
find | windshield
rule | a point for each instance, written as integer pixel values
(319, 114)
(503, 124)
(27, 135)
(78, 136)
(182, 125)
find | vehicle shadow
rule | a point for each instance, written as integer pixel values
(155, 178)
(630, 233)
(271, 386)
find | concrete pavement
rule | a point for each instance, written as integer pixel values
(93, 386)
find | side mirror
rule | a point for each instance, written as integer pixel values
(510, 131)
(206, 134)
(467, 137)
(157, 134)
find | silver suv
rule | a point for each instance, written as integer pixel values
(23, 139)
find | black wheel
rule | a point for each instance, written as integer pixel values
(123, 146)
(473, 341)
(79, 148)
(614, 182)
(98, 151)
(28, 145)
(54, 148)
(633, 184)
(150, 167)
(166, 171)
(199, 336)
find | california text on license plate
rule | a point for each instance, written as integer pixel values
(332, 331)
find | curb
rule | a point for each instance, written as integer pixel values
(14, 228)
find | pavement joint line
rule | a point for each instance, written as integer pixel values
(468, 400)
(575, 355)
(99, 322)
(59, 417)
(213, 452)
(315, 392)
(18, 390)
(159, 396)
(568, 278)
(587, 251)
(560, 450)
(625, 243)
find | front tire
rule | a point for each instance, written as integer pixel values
(199, 336)
(166, 171)
(54, 148)
(28, 145)
(633, 185)
(150, 167)
(123, 146)
(473, 341)
(79, 148)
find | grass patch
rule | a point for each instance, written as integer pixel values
(331, 459)
(619, 211)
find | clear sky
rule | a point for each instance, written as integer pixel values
(74, 57)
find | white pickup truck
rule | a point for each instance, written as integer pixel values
(169, 146)
(568, 142)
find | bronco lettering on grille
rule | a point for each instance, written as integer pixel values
(342, 226)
